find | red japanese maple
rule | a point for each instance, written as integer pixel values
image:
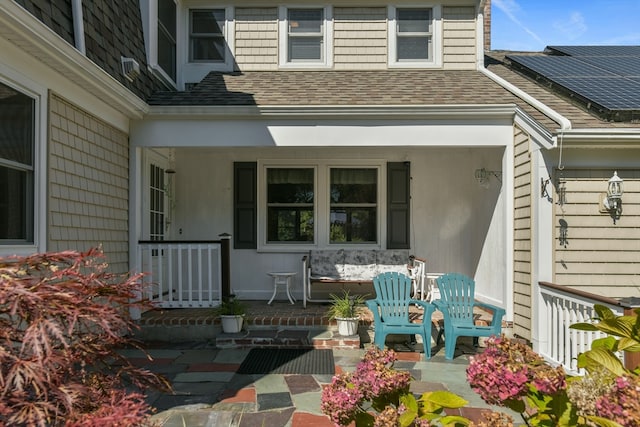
(62, 318)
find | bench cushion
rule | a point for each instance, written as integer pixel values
(359, 265)
(327, 264)
(354, 265)
(392, 260)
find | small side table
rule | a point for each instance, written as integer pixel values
(282, 278)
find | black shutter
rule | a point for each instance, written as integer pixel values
(245, 205)
(398, 205)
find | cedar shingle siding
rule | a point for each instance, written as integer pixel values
(88, 184)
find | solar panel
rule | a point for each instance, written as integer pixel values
(615, 93)
(596, 50)
(627, 66)
(604, 75)
(557, 66)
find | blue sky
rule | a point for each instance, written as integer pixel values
(531, 25)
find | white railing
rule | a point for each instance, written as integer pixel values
(181, 274)
(561, 307)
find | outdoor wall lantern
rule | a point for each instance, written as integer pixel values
(613, 200)
(482, 176)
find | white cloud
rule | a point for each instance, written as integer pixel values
(511, 8)
(572, 28)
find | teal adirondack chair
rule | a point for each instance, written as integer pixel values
(391, 310)
(456, 304)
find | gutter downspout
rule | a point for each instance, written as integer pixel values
(78, 25)
(565, 124)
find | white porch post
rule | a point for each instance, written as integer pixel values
(135, 213)
(507, 184)
(542, 247)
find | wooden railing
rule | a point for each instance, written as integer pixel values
(561, 307)
(182, 274)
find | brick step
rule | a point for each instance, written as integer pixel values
(287, 338)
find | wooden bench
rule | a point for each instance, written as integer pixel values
(348, 267)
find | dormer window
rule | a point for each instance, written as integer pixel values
(413, 37)
(305, 37)
(206, 35)
(166, 42)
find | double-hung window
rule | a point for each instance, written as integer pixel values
(17, 144)
(305, 39)
(414, 36)
(166, 40)
(320, 204)
(206, 35)
(290, 205)
(353, 205)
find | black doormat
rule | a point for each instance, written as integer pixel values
(288, 361)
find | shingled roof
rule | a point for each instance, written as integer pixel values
(346, 88)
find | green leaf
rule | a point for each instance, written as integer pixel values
(619, 327)
(628, 344)
(410, 402)
(516, 405)
(406, 419)
(364, 419)
(445, 399)
(454, 420)
(603, 422)
(601, 357)
(607, 342)
(603, 312)
(584, 327)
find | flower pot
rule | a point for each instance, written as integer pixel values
(347, 326)
(231, 324)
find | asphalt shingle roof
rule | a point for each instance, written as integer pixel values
(346, 88)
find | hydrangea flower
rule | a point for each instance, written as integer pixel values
(622, 403)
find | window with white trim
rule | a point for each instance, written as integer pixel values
(414, 36)
(353, 205)
(17, 146)
(207, 35)
(166, 39)
(305, 36)
(320, 204)
(290, 205)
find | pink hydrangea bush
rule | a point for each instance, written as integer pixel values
(510, 374)
(376, 394)
(505, 372)
(622, 403)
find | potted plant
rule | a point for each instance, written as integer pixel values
(346, 309)
(231, 312)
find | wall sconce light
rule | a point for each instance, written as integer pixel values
(483, 175)
(612, 202)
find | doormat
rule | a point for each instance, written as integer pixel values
(300, 361)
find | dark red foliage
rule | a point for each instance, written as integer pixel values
(62, 318)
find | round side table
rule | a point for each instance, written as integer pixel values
(282, 278)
